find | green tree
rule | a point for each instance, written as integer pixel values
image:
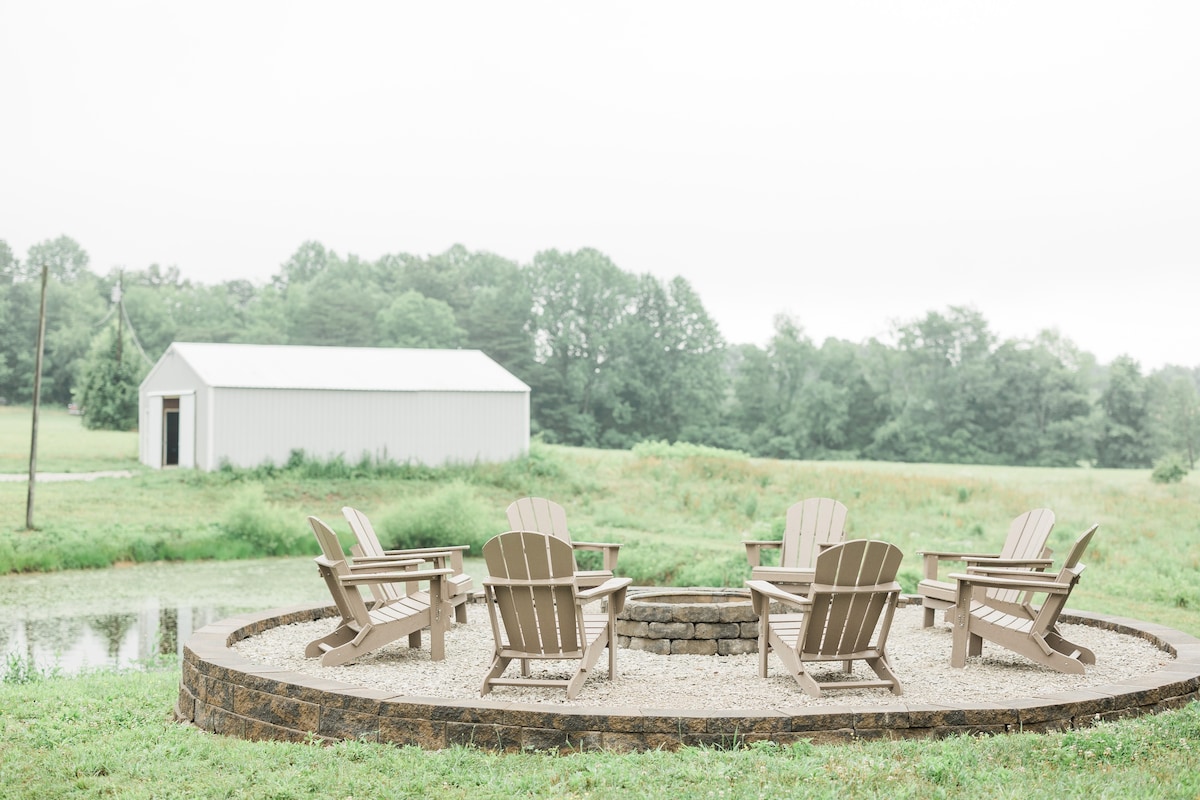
(939, 380)
(1175, 411)
(65, 258)
(413, 320)
(1124, 439)
(771, 389)
(310, 260)
(667, 380)
(338, 307)
(579, 300)
(1039, 413)
(108, 393)
(8, 265)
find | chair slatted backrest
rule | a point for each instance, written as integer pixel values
(332, 565)
(1069, 575)
(364, 531)
(810, 524)
(532, 579)
(853, 591)
(368, 546)
(538, 514)
(1027, 537)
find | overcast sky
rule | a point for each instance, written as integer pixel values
(851, 164)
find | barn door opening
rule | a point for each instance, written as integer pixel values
(170, 432)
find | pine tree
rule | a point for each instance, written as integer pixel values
(109, 394)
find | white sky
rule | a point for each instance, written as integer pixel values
(853, 164)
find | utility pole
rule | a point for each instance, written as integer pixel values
(120, 292)
(37, 397)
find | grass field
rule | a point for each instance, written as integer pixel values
(680, 514)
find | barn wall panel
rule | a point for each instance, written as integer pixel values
(253, 426)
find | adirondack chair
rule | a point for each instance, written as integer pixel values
(845, 616)
(1037, 637)
(361, 629)
(368, 551)
(537, 610)
(1024, 548)
(546, 516)
(810, 526)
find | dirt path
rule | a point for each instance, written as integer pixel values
(55, 477)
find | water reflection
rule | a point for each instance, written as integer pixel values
(123, 616)
(74, 644)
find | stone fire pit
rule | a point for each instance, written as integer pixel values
(693, 621)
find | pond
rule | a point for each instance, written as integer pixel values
(121, 616)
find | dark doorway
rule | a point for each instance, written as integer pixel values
(170, 431)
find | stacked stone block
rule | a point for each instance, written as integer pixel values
(689, 622)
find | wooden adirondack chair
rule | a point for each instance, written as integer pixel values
(537, 610)
(546, 516)
(368, 551)
(809, 527)
(1024, 548)
(363, 629)
(1036, 637)
(846, 616)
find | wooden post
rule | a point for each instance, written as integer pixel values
(37, 397)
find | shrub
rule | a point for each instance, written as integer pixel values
(252, 527)
(450, 515)
(663, 449)
(1169, 469)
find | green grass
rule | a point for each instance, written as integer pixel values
(108, 735)
(680, 514)
(64, 445)
(680, 519)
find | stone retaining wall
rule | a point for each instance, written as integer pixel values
(222, 692)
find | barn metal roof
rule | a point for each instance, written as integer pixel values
(379, 369)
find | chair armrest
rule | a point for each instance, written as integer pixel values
(1011, 572)
(931, 558)
(367, 564)
(954, 555)
(1031, 563)
(965, 581)
(608, 587)
(452, 552)
(411, 576)
(614, 589)
(763, 592)
(609, 549)
(754, 548)
(438, 557)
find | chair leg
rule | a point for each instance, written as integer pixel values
(498, 666)
(884, 672)
(1083, 654)
(337, 638)
(974, 645)
(763, 647)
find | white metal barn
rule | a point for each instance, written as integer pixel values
(204, 405)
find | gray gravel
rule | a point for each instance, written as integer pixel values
(920, 657)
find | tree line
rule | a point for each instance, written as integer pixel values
(614, 358)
